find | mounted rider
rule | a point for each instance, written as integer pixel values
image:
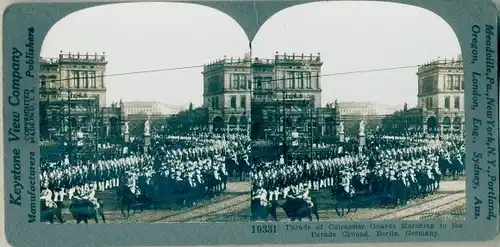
(261, 194)
(46, 195)
(90, 195)
(304, 195)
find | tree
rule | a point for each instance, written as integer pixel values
(405, 108)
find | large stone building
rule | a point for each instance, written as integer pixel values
(441, 95)
(233, 98)
(440, 107)
(73, 98)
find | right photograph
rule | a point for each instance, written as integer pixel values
(355, 133)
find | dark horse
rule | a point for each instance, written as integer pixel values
(129, 200)
(343, 200)
(84, 209)
(243, 167)
(456, 168)
(262, 212)
(296, 209)
(47, 214)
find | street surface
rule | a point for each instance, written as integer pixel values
(234, 206)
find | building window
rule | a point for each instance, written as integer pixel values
(84, 79)
(279, 82)
(457, 102)
(456, 82)
(300, 78)
(447, 102)
(92, 81)
(74, 79)
(215, 103)
(463, 84)
(43, 82)
(307, 79)
(449, 82)
(52, 83)
(268, 83)
(233, 102)
(258, 82)
(236, 80)
(243, 81)
(243, 101)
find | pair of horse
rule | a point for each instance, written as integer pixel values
(451, 167)
(295, 209)
(237, 168)
(81, 210)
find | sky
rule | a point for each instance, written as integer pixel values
(350, 36)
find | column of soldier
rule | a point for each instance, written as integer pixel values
(80, 178)
(384, 160)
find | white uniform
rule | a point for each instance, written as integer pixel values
(47, 196)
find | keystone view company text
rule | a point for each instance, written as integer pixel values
(22, 112)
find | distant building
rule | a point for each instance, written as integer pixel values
(73, 97)
(357, 109)
(351, 113)
(148, 108)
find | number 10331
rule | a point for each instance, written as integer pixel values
(264, 229)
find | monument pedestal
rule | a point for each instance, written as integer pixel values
(127, 137)
(147, 141)
(362, 141)
(341, 136)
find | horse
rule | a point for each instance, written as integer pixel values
(243, 168)
(84, 209)
(223, 179)
(262, 211)
(456, 168)
(47, 214)
(444, 166)
(296, 209)
(343, 200)
(400, 190)
(128, 200)
(231, 167)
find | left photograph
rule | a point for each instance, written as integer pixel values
(123, 133)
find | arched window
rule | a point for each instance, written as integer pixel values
(447, 102)
(457, 102)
